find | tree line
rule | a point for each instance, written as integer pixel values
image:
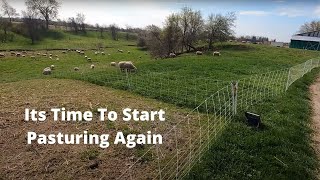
(187, 31)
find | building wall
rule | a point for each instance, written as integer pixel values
(310, 45)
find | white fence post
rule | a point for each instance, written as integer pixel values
(288, 79)
(234, 91)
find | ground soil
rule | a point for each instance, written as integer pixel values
(18, 160)
(315, 98)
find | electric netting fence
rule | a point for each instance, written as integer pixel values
(216, 103)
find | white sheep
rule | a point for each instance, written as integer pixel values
(76, 69)
(32, 57)
(102, 53)
(86, 57)
(172, 55)
(126, 66)
(113, 64)
(199, 53)
(46, 71)
(216, 53)
(89, 59)
(119, 50)
(64, 52)
(57, 59)
(12, 53)
(92, 66)
(38, 53)
(18, 54)
(96, 53)
(23, 55)
(109, 54)
(44, 54)
(52, 67)
(2, 55)
(50, 57)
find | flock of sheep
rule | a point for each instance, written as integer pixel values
(124, 66)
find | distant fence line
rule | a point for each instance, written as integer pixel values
(215, 102)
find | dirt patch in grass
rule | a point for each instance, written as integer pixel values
(18, 160)
(315, 98)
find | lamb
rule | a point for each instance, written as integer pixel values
(113, 64)
(92, 66)
(199, 53)
(46, 71)
(76, 69)
(52, 67)
(126, 66)
(119, 50)
(172, 55)
(216, 53)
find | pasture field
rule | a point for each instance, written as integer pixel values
(180, 83)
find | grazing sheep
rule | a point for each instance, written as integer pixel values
(119, 50)
(32, 57)
(12, 53)
(50, 57)
(23, 55)
(113, 64)
(2, 55)
(82, 52)
(96, 53)
(216, 53)
(52, 67)
(89, 59)
(102, 53)
(172, 55)
(64, 52)
(126, 66)
(199, 53)
(18, 54)
(129, 52)
(44, 54)
(57, 59)
(46, 71)
(38, 54)
(86, 57)
(92, 66)
(24, 52)
(76, 69)
(109, 54)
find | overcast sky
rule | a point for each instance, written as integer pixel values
(276, 19)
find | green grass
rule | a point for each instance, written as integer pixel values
(185, 81)
(280, 149)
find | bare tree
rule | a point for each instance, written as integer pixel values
(73, 24)
(8, 10)
(31, 23)
(48, 9)
(154, 41)
(219, 27)
(5, 26)
(172, 33)
(80, 21)
(310, 26)
(191, 24)
(114, 31)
